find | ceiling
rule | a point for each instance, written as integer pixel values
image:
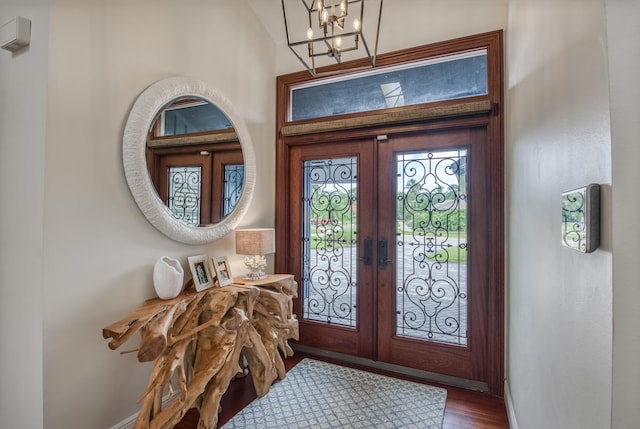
(269, 12)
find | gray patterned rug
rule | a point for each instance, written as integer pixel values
(317, 394)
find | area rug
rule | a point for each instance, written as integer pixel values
(317, 394)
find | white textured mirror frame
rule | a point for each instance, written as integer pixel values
(146, 107)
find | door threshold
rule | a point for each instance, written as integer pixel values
(448, 380)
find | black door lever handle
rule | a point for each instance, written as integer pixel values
(367, 259)
(383, 260)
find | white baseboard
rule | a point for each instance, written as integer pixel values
(511, 412)
(130, 421)
(126, 423)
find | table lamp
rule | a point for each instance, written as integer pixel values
(256, 242)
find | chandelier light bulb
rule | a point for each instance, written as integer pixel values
(325, 15)
(338, 42)
(356, 24)
(310, 33)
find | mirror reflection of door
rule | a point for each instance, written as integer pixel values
(195, 162)
(184, 181)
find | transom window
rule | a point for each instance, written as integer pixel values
(436, 79)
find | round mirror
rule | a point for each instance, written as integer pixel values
(154, 157)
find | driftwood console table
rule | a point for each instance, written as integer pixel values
(204, 339)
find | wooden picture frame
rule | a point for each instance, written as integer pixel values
(222, 269)
(202, 278)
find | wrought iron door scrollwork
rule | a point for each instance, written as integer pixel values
(329, 241)
(431, 299)
(184, 194)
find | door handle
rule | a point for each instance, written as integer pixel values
(367, 259)
(383, 248)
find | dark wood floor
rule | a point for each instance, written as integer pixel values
(464, 410)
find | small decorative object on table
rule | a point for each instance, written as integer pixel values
(223, 272)
(167, 277)
(202, 278)
(256, 242)
(256, 265)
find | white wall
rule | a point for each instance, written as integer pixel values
(558, 138)
(98, 248)
(623, 23)
(23, 80)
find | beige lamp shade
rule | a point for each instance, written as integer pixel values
(255, 241)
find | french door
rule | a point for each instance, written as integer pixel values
(389, 242)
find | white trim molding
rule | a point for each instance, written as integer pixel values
(131, 420)
(511, 411)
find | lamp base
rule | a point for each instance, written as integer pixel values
(256, 265)
(255, 276)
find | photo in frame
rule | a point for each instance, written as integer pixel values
(202, 278)
(222, 269)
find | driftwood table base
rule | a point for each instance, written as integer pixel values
(201, 340)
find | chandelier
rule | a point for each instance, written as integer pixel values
(325, 32)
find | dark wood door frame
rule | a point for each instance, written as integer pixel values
(491, 119)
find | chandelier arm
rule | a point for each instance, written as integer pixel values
(286, 27)
(370, 57)
(310, 43)
(312, 69)
(375, 50)
(322, 39)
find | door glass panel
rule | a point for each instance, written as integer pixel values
(431, 258)
(184, 193)
(233, 180)
(329, 241)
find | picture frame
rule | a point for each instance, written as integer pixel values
(223, 270)
(581, 218)
(202, 278)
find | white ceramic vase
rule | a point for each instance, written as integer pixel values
(167, 277)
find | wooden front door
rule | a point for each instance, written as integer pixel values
(432, 276)
(390, 240)
(332, 229)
